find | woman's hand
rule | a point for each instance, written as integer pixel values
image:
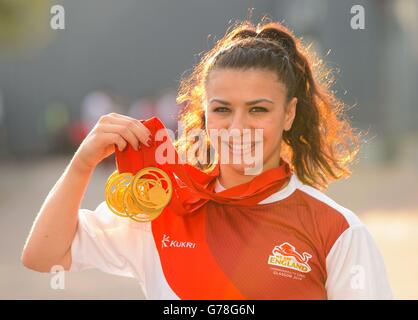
(53, 231)
(110, 131)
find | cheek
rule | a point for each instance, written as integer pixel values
(272, 132)
(214, 121)
(210, 123)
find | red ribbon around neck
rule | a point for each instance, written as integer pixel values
(192, 188)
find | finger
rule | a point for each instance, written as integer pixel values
(142, 133)
(115, 139)
(136, 121)
(124, 131)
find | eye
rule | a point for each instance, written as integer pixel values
(260, 109)
(221, 109)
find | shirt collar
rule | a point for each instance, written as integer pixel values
(279, 195)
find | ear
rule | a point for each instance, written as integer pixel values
(290, 113)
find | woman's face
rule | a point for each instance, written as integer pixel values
(248, 99)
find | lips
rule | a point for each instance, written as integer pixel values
(243, 148)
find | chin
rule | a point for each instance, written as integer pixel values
(242, 166)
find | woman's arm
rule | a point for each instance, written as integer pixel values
(49, 242)
(50, 239)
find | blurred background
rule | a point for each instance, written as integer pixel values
(128, 57)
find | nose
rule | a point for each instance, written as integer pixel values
(238, 123)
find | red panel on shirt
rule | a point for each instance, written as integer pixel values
(233, 246)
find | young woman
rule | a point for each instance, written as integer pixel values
(289, 241)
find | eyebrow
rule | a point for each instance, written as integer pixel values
(248, 103)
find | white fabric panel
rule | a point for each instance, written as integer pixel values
(121, 247)
(356, 268)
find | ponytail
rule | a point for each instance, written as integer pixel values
(321, 144)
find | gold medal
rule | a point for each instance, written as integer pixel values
(152, 188)
(115, 187)
(141, 197)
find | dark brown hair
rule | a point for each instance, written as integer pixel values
(321, 144)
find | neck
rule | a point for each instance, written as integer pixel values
(230, 177)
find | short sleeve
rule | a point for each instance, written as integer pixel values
(355, 267)
(109, 243)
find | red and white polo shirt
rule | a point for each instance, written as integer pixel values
(295, 244)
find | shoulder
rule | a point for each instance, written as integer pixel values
(320, 200)
(331, 218)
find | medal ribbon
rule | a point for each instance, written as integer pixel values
(193, 188)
